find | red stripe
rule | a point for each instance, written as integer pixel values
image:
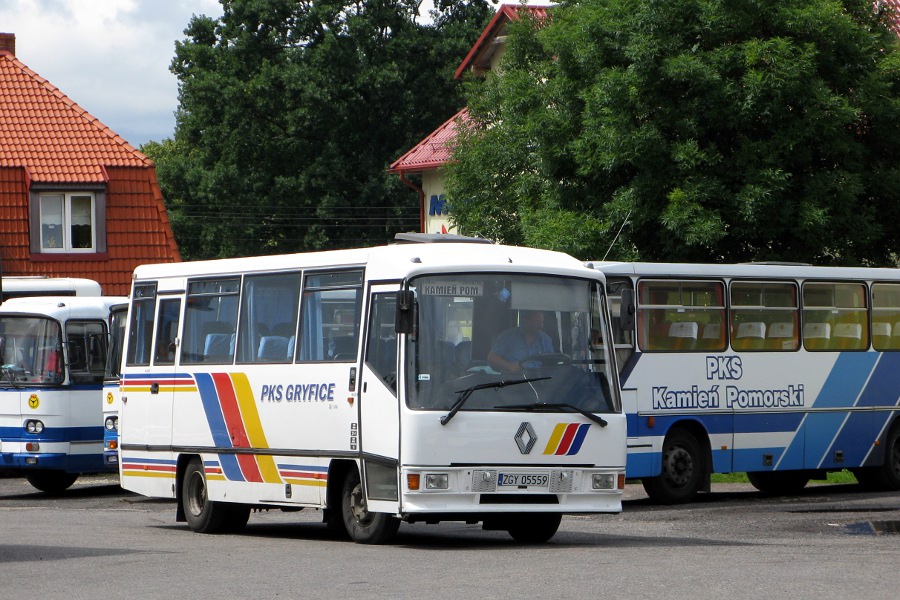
(142, 467)
(566, 442)
(235, 425)
(304, 474)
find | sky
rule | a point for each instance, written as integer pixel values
(111, 57)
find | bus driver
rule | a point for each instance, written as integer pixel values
(517, 343)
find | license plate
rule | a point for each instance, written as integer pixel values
(523, 480)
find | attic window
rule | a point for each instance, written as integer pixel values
(68, 221)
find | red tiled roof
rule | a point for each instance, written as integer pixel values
(56, 140)
(434, 151)
(894, 6)
(480, 55)
(47, 138)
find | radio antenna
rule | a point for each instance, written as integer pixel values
(625, 222)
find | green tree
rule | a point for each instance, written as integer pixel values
(694, 130)
(290, 113)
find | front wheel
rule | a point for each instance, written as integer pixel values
(202, 514)
(51, 482)
(534, 528)
(780, 483)
(364, 527)
(682, 470)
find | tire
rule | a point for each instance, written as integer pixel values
(203, 515)
(364, 527)
(886, 476)
(51, 482)
(779, 483)
(535, 528)
(682, 470)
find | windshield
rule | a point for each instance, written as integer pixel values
(116, 338)
(31, 350)
(509, 342)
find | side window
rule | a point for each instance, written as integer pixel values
(117, 322)
(835, 316)
(886, 316)
(268, 324)
(210, 321)
(140, 330)
(166, 331)
(329, 329)
(623, 337)
(87, 346)
(764, 316)
(681, 316)
(381, 346)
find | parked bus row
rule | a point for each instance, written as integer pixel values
(458, 380)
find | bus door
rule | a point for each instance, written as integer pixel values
(148, 389)
(379, 414)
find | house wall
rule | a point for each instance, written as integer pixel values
(437, 218)
(137, 231)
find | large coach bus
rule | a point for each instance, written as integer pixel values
(31, 286)
(367, 383)
(784, 372)
(53, 352)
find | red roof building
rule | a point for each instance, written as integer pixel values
(76, 200)
(428, 157)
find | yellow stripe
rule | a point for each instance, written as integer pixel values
(147, 474)
(557, 434)
(253, 425)
(308, 482)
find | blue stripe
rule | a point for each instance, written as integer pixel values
(579, 439)
(53, 434)
(210, 399)
(841, 389)
(304, 468)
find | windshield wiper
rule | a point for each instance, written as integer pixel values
(545, 406)
(464, 394)
(10, 377)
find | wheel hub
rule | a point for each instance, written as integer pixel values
(679, 468)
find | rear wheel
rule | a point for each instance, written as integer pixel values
(781, 483)
(51, 482)
(887, 476)
(682, 470)
(534, 528)
(363, 526)
(204, 515)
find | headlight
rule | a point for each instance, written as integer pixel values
(34, 426)
(603, 481)
(111, 423)
(437, 481)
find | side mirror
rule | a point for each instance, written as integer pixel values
(407, 312)
(626, 317)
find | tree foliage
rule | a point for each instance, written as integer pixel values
(290, 113)
(695, 130)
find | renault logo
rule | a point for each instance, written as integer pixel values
(525, 438)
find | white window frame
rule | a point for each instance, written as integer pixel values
(66, 246)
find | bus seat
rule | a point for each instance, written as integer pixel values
(711, 338)
(816, 335)
(463, 355)
(273, 348)
(881, 335)
(848, 336)
(750, 336)
(780, 336)
(895, 336)
(218, 347)
(342, 348)
(683, 335)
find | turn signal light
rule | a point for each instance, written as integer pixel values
(413, 480)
